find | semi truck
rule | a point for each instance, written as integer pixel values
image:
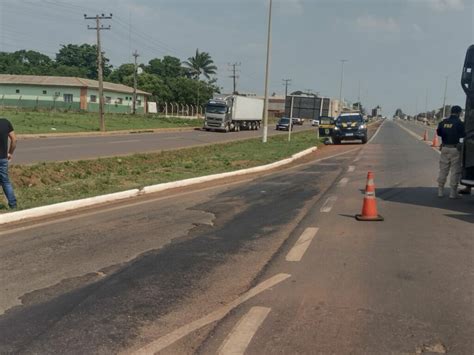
(233, 113)
(467, 83)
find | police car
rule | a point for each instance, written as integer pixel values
(350, 126)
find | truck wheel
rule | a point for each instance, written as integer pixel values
(227, 129)
(336, 141)
(237, 127)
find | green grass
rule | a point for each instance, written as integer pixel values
(47, 183)
(65, 122)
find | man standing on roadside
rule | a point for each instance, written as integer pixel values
(451, 130)
(6, 153)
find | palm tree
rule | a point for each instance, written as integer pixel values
(201, 63)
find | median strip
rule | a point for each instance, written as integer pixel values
(48, 188)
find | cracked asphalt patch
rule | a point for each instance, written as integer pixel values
(108, 314)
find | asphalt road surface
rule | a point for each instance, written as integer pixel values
(270, 264)
(34, 150)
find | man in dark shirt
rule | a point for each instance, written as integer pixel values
(6, 153)
(451, 130)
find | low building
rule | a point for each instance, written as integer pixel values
(276, 105)
(67, 93)
(377, 111)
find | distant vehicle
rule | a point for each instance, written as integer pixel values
(467, 83)
(314, 123)
(283, 124)
(297, 120)
(350, 126)
(233, 113)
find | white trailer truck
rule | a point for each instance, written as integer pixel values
(233, 113)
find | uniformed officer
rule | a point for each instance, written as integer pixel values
(451, 130)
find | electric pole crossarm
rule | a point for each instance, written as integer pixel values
(286, 83)
(234, 75)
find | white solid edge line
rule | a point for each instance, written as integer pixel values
(418, 137)
(327, 207)
(170, 338)
(87, 202)
(240, 337)
(351, 169)
(376, 132)
(302, 244)
(343, 182)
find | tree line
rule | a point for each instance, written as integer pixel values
(168, 79)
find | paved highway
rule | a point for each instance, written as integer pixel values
(34, 150)
(268, 264)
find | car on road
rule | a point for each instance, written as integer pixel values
(314, 122)
(350, 126)
(283, 124)
(298, 121)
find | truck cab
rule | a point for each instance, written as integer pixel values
(218, 114)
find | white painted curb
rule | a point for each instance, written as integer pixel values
(91, 201)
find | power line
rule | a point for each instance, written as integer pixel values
(234, 75)
(99, 27)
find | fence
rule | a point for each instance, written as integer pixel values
(174, 109)
(167, 109)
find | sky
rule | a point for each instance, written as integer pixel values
(398, 52)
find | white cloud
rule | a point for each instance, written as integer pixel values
(377, 24)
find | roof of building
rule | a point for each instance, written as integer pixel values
(64, 81)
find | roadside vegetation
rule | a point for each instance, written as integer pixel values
(31, 122)
(48, 183)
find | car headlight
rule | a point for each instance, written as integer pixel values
(336, 128)
(362, 126)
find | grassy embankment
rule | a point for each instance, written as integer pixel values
(31, 122)
(47, 183)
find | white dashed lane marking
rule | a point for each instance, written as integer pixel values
(351, 169)
(343, 182)
(327, 207)
(174, 336)
(240, 337)
(299, 249)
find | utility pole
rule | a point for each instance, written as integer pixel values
(98, 27)
(426, 105)
(358, 98)
(444, 98)
(267, 72)
(234, 75)
(416, 108)
(134, 102)
(286, 83)
(340, 87)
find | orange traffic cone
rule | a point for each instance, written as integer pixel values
(369, 208)
(435, 141)
(425, 136)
